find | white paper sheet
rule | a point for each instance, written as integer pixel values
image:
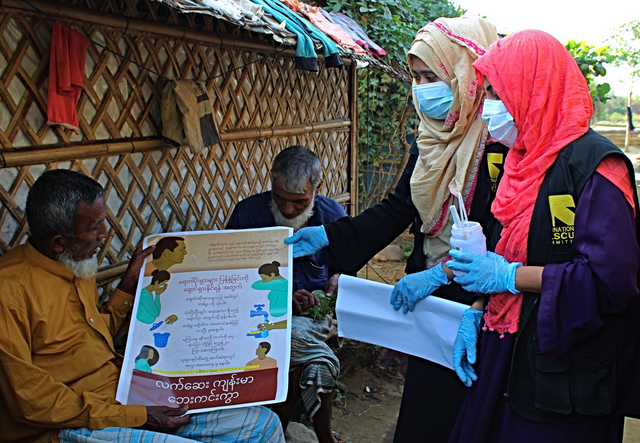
(365, 314)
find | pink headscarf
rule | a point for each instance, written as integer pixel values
(543, 89)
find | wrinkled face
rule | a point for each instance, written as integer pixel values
(178, 254)
(290, 204)
(422, 74)
(90, 230)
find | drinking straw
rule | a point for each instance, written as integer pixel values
(454, 215)
(463, 211)
(463, 215)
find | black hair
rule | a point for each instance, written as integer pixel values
(144, 354)
(158, 276)
(270, 268)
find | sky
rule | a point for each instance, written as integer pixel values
(580, 20)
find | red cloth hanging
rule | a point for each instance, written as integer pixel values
(66, 76)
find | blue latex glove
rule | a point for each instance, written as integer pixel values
(414, 287)
(492, 274)
(308, 241)
(464, 348)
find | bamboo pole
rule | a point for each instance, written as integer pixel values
(353, 140)
(133, 26)
(112, 271)
(44, 154)
(342, 198)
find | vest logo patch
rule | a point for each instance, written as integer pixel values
(494, 162)
(562, 219)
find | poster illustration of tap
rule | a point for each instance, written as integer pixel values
(211, 322)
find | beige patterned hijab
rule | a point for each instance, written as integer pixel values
(450, 149)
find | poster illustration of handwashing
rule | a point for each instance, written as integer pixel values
(211, 323)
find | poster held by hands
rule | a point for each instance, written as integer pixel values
(211, 323)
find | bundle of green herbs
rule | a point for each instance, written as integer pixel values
(327, 305)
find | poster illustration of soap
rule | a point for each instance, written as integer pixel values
(211, 322)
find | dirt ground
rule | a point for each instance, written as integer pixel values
(369, 397)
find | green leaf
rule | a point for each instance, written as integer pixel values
(327, 305)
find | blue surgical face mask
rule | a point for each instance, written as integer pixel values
(501, 125)
(434, 99)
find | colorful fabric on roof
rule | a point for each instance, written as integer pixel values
(320, 21)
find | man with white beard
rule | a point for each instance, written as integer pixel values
(296, 178)
(58, 367)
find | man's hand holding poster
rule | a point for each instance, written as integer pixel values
(211, 324)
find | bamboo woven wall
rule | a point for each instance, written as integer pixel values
(152, 188)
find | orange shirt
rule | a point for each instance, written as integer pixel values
(58, 366)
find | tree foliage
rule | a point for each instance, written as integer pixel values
(626, 41)
(614, 111)
(591, 62)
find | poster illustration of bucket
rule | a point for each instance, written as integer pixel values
(160, 339)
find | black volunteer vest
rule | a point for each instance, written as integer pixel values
(597, 377)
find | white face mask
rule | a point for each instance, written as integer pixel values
(501, 125)
(434, 99)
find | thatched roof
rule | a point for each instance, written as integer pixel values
(236, 13)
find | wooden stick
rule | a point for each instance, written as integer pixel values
(342, 198)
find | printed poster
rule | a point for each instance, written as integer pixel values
(211, 322)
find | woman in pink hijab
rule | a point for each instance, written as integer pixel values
(559, 351)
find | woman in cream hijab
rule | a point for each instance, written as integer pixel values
(451, 140)
(450, 156)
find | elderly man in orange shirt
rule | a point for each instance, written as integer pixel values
(58, 366)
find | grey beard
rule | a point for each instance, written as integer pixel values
(83, 269)
(295, 223)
